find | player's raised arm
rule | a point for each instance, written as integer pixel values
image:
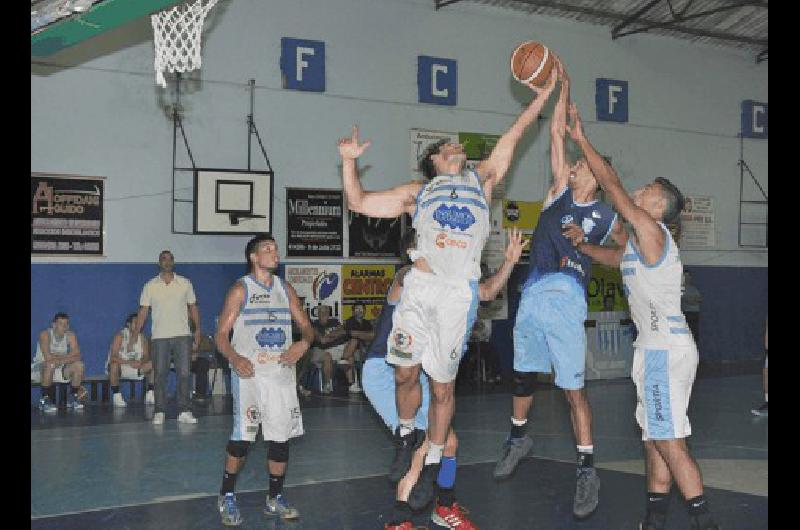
(558, 130)
(492, 170)
(649, 236)
(388, 203)
(488, 289)
(610, 255)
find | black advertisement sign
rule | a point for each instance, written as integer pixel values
(66, 215)
(314, 222)
(372, 237)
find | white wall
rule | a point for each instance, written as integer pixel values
(97, 112)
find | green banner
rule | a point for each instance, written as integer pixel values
(605, 290)
(477, 146)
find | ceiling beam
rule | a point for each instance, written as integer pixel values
(633, 18)
(615, 33)
(438, 4)
(762, 56)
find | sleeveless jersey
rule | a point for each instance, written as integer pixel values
(263, 329)
(136, 353)
(552, 252)
(452, 224)
(654, 296)
(57, 347)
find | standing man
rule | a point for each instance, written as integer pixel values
(665, 355)
(58, 359)
(549, 328)
(259, 308)
(432, 321)
(169, 295)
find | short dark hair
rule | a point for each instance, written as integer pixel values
(674, 198)
(426, 166)
(252, 245)
(166, 252)
(60, 315)
(130, 317)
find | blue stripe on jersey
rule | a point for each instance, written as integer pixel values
(480, 184)
(261, 310)
(267, 288)
(472, 314)
(447, 198)
(676, 319)
(663, 254)
(416, 201)
(656, 393)
(679, 331)
(456, 187)
(629, 257)
(628, 271)
(237, 418)
(266, 321)
(246, 295)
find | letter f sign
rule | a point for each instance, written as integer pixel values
(611, 100)
(303, 64)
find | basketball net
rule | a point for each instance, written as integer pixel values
(176, 35)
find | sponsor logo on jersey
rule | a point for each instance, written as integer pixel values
(256, 298)
(596, 214)
(253, 414)
(653, 318)
(657, 403)
(443, 241)
(567, 262)
(324, 285)
(587, 225)
(271, 337)
(456, 217)
(567, 219)
(265, 357)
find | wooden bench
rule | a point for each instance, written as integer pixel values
(99, 388)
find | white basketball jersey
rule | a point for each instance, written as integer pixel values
(263, 329)
(452, 224)
(57, 347)
(134, 354)
(654, 296)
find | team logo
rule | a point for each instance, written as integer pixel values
(512, 212)
(587, 225)
(566, 262)
(253, 415)
(454, 217)
(272, 337)
(325, 284)
(596, 215)
(402, 339)
(567, 219)
(443, 241)
(258, 298)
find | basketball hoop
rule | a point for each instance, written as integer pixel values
(176, 36)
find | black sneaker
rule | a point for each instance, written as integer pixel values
(653, 522)
(423, 491)
(404, 451)
(762, 410)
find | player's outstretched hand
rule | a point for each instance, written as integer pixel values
(573, 232)
(349, 148)
(576, 130)
(547, 89)
(515, 245)
(243, 366)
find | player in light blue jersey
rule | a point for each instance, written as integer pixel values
(259, 309)
(665, 355)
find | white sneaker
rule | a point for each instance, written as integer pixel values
(186, 417)
(149, 398)
(118, 400)
(158, 418)
(354, 388)
(327, 388)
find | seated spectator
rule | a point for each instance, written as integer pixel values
(58, 359)
(360, 333)
(202, 352)
(125, 362)
(329, 340)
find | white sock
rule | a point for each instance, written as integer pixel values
(434, 455)
(766, 397)
(406, 426)
(589, 449)
(517, 422)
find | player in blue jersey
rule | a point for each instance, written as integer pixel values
(549, 326)
(665, 356)
(259, 309)
(379, 387)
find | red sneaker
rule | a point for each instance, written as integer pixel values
(405, 525)
(453, 517)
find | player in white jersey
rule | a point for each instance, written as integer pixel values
(58, 360)
(665, 355)
(432, 321)
(259, 308)
(126, 362)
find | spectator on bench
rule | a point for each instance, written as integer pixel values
(360, 333)
(125, 362)
(58, 359)
(329, 340)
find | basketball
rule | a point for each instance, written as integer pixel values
(531, 62)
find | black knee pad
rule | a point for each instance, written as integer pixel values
(278, 451)
(238, 448)
(524, 383)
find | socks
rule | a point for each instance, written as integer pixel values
(434, 455)
(406, 427)
(586, 455)
(228, 482)
(447, 473)
(697, 506)
(518, 427)
(275, 485)
(657, 503)
(766, 397)
(50, 392)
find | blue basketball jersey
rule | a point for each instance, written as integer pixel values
(552, 252)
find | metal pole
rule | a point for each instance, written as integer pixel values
(252, 84)
(175, 143)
